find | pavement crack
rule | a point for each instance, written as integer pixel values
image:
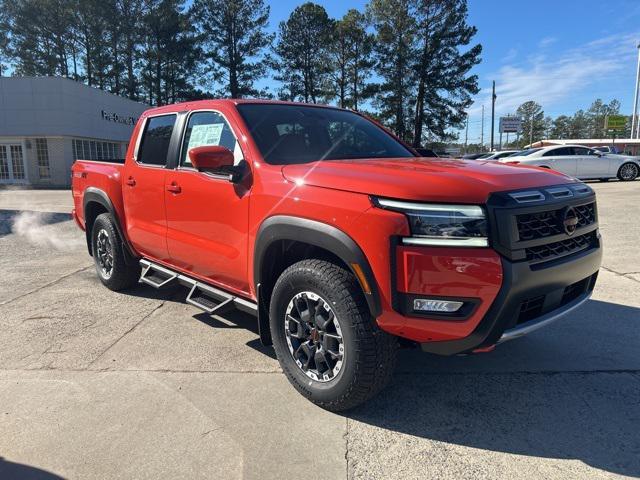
(46, 285)
(346, 446)
(155, 309)
(620, 274)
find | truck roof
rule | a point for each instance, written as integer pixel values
(212, 103)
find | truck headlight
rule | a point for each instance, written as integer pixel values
(441, 224)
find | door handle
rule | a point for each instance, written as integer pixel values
(131, 182)
(174, 188)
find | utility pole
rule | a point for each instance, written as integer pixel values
(482, 132)
(466, 134)
(493, 111)
(635, 130)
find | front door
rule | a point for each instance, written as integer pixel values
(562, 159)
(143, 184)
(207, 216)
(591, 165)
(12, 168)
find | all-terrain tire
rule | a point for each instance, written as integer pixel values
(108, 255)
(369, 353)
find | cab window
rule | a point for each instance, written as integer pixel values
(208, 128)
(154, 145)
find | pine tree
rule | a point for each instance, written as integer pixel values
(235, 38)
(395, 27)
(130, 14)
(303, 64)
(533, 122)
(40, 36)
(169, 52)
(351, 50)
(596, 115)
(561, 127)
(579, 125)
(5, 28)
(445, 86)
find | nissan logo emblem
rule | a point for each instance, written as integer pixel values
(569, 220)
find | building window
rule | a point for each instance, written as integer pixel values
(95, 150)
(42, 154)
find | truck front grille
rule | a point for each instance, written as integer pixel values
(557, 222)
(547, 223)
(560, 249)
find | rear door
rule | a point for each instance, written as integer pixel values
(143, 187)
(207, 215)
(561, 159)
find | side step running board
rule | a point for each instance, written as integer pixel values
(210, 299)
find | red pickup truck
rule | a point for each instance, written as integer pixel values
(338, 237)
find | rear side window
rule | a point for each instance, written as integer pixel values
(559, 152)
(154, 145)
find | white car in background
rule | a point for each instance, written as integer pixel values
(580, 162)
(499, 155)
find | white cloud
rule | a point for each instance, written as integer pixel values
(546, 42)
(550, 80)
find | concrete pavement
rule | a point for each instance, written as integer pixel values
(95, 384)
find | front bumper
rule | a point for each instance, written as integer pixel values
(528, 299)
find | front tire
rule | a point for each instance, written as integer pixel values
(628, 172)
(328, 346)
(108, 256)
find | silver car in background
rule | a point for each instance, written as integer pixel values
(580, 162)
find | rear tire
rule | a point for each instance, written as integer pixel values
(340, 323)
(108, 256)
(628, 172)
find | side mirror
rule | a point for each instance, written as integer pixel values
(211, 158)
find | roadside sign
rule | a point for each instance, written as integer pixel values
(615, 122)
(510, 124)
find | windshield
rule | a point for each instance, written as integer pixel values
(289, 134)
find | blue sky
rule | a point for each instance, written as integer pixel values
(563, 54)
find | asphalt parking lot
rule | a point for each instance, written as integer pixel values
(95, 384)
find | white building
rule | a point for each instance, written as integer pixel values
(48, 122)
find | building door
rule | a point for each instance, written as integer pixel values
(12, 168)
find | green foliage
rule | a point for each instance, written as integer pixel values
(303, 64)
(533, 122)
(234, 37)
(395, 28)
(162, 51)
(445, 86)
(4, 36)
(351, 50)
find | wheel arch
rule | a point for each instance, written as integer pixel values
(94, 203)
(283, 240)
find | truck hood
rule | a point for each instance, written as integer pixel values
(426, 179)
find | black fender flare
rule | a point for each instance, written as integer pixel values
(96, 195)
(322, 235)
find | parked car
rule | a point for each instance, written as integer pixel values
(580, 162)
(473, 156)
(500, 154)
(607, 149)
(336, 237)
